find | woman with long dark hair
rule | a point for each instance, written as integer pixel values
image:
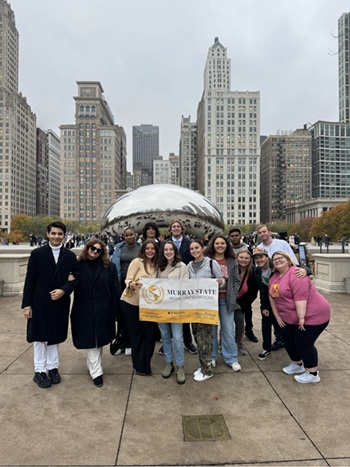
(203, 267)
(142, 333)
(171, 267)
(247, 293)
(220, 249)
(95, 301)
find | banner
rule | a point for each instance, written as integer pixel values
(179, 301)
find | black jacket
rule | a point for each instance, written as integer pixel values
(94, 306)
(49, 322)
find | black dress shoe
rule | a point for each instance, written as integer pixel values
(252, 337)
(98, 381)
(54, 376)
(42, 380)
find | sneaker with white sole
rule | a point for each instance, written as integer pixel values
(200, 377)
(213, 363)
(293, 369)
(128, 352)
(235, 366)
(242, 350)
(307, 378)
(197, 371)
(264, 354)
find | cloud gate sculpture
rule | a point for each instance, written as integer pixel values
(162, 204)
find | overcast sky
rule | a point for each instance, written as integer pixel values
(150, 55)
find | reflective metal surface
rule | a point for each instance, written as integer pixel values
(162, 204)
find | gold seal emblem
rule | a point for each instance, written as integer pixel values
(153, 294)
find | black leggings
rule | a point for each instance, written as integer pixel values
(300, 344)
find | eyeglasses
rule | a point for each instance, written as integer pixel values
(278, 260)
(98, 250)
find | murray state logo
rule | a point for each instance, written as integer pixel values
(275, 290)
(153, 294)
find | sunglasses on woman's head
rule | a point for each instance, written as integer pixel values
(98, 250)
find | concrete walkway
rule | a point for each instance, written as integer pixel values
(137, 421)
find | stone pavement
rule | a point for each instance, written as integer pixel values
(137, 421)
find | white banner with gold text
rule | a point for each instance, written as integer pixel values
(179, 301)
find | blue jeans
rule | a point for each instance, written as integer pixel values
(174, 331)
(227, 332)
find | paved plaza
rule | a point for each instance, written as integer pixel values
(137, 421)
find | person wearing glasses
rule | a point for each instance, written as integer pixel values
(94, 306)
(302, 314)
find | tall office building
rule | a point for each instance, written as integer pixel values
(344, 67)
(145, 149)
(285, 175)
(42, 173)
(17, 130)
(166, 171)
(228, 148)
(54, 150)
(330, 159)
(188, 154)
(92, 157)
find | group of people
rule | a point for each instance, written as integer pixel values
(107, 290)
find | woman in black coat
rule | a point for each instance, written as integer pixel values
(94, 307)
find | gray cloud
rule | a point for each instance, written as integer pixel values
(150, 57)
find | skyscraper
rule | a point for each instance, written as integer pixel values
(228, 146)
(285, 176)
(92, 157)
(344, 67)
(17, 130)
(54, 158)
(145, 149)
(188, 154)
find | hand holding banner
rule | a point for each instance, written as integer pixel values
(179, 301)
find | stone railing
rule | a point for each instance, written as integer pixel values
(332, 272)
(13, 269)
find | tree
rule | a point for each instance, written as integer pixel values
(303, 228)
(335, 223)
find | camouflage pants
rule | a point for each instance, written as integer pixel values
(203, 333)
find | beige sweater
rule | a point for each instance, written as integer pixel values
(136, 271)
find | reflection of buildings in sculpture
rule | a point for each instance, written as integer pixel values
(164, 204)
(93, 157)
(228, 149)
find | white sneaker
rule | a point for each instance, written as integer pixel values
(197, 371)
(293, 369)
(200, 377)
(236, 366)
(213, 363)
(307, 378)
(128, 352)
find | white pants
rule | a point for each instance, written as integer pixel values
(94, 361)
(45, 357)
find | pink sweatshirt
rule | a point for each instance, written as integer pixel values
(287, 289)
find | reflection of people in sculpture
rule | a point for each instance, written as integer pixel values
(142, 333)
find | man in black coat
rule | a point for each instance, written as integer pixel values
(51, 277)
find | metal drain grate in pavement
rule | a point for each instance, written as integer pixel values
(205, 428)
